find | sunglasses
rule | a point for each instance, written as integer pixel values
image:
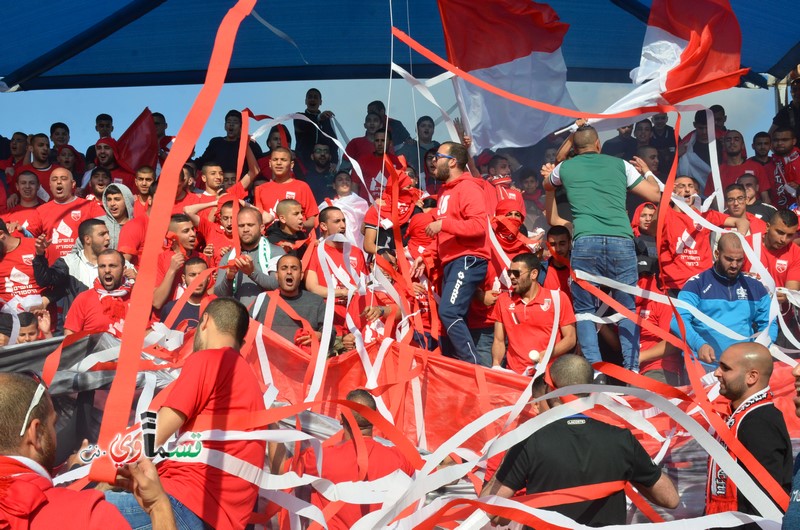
(515, 274)
(437, 156)
(37, 396)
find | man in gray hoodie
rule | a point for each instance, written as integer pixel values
(118, 203)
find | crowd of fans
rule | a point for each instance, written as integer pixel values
(398, 223)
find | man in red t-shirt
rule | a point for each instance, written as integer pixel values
(215, 381)
(348, 276)
(183, 195)
(737, 166)
(686, 246)
(736, 207)
(40, 160)
(145, 178)
(107, 152)
(372, 166)
(62, 216)
(527, 316)
(559, 240)
(16, 266)
(19, 157)
(180, 246)
(217, 234)
(104, 306)
(24, 214)
(340, 463)
(284, 186)
(786, 176)
(29, 499)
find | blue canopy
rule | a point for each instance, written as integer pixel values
(54, 44)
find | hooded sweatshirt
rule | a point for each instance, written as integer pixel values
(113, 226)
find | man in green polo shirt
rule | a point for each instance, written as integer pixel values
(597, 186)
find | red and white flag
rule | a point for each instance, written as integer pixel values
(514, 45)
(691, 48)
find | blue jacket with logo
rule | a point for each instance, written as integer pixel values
(741, 304)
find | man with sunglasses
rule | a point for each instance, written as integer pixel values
(28, 498)
(461, 246)
(527, 316)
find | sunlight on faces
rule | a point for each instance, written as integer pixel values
(212, 176)
(685, 187)
(40, 149)
(185, 234)
(779, 235)
(109, 270)
(98, 240)
(561, 244)
(292, 217)
(28, 333)
(334, 224)
(729, 261)
(28, 185)
(521, 277)
(249, 226)
(750, 183)
(61, 184)
(645, 218)
(280, 162)
(226, 217)
(736, 202)
(104, 153)
(733, 142)
(115, 204)
(289, 274)
(144, 180)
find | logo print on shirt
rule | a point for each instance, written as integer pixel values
(443, 205)
(290, 195)
(76, 215)
(27, 259)
(741, 293)
(684, 242)
(546, 304)
(781, 265)
(645, 314)
(16, 277)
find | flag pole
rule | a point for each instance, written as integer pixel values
(462, 110)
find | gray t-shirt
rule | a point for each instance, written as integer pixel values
(306, 304)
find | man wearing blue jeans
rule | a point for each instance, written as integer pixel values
(597, 187)
(460, 242)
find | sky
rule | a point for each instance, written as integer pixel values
(748, 110)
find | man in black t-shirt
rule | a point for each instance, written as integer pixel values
(579, 451)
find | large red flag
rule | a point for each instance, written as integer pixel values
(138, 145)
(691, 48)
(514, 45)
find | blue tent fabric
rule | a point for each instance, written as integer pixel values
(83, 43)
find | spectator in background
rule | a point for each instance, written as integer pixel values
(189, 316)
(352, 206)
(789, 116)
(225, 149)
(397, 131)
(307, 135)
(623, 145)
(736, 165)
(694, 158)
(786, 160)
(736, 207)
(319, 174)
(277, 137)
(414, 150)
(104, 125)
(755, 206)
(664, 141)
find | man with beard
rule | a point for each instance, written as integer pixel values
(253, 271)
(61, 216)
(736, 207)
(77, 271)
(753, 201)
(786, 176)
(743, 373)
(39, 149)
(107, 153)
(225, 149)
(28, 498)
(318, 175)
(16, 266)
(189, 316)
(215, 381)
(308, 308)
(727, 296)
(104, 306)
(526, 316)
(736, 166)
(460, 244)
(180, 246)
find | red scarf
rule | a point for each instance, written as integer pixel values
(406, 200)
(537, 198)
(507, 229)
(721, 492)
(114, 303)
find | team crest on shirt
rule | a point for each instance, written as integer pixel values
(645, 313)
(781, 265)
(741, 293)
(76, 215)
(27, 259)
(353, 263)
(546, 304)
(290, 195)
(512, 306)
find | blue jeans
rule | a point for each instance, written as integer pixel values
(126, 503)
(614, 258)
(483, 339)
(462, 276)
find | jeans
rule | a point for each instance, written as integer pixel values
(613, 258)
(462, 276)
(126, 503)
(483, 339)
